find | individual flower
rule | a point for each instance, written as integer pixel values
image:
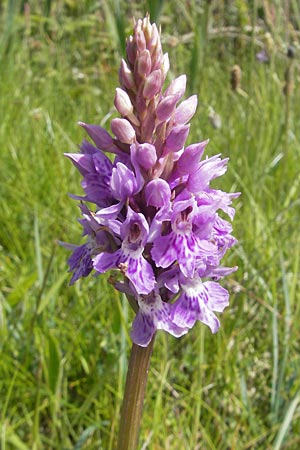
(129, 258)
(181, 244)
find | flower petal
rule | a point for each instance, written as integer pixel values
(153, 314)
(197, 302)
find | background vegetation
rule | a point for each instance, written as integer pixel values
(64, 349)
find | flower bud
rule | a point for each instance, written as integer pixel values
(123, 103)
(131, 50)
(143, 63)
(186, 110)
(152, 84)
(123, 130)
(147, 28)
(176, 139)
(177, 87)
(124, 106)
(146, 155)
(126, 76)
(123, 183)
(139, 36)
(158, 193)
(157, 57)
(166, 107)
(154, 38)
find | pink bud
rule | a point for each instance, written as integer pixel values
(157, 56)
(143, 63)
(123, 103)
(186, 110)
(140, 40)
(177, 137)
(146, 155)
(100, 136)
(166, 107)
(177, 86)
(153, 84)
(123, 130)
(189, 160)
(131, 50)
(154, 38)
(126, 76)
(147, 28)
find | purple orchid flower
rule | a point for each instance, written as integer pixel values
(129, 258)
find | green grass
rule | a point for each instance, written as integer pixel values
(64, 349)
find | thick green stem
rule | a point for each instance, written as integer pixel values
(133, 400)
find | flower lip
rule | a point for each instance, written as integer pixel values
(183, 224)
(134, 234)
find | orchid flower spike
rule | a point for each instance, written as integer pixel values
(156, 220)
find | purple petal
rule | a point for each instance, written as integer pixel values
(106, 215)
(84, 163)
(143, 329)
(123, 183)
(208, 169)
(197, 302)
(218, 272)
(163, 251)
(158, 193)
(87, 148)
(190, 159)
(217, 297)
(80, 262)
(105, 261)
(141, 274)
(103, 165)
(100, 136)
(153, 315)
(176, 139)
(97, 190)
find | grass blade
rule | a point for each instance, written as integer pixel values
(286, 422)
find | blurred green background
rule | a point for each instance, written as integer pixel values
(64, 349)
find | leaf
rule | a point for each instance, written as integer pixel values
(84, 437)
(286, 422)
(54, 360)
(24, 284)
(46, 298)
(16, 442)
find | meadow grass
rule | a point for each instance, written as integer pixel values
(64, 349)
